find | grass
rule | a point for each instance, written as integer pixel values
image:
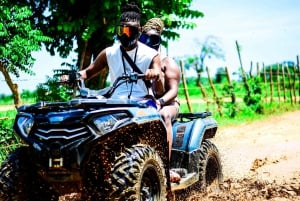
(244, 114)
(8, 141)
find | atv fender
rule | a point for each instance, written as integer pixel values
(187, 136)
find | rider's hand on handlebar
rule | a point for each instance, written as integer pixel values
(153, 74)
(64, 78)
(70, 77)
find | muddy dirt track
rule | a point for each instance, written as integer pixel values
(261, 161)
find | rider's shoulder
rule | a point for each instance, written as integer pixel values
(111, 50)
(146, 50)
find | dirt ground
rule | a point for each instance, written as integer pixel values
(261, 161)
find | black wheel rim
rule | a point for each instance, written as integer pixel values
(150, 185)
(212, 172)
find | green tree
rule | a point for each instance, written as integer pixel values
(211, 47)
(17, 40)
(90, 24)
(220, 75)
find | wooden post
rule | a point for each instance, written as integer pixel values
(294, 83)
(186, 92)
(217, 99)
(242, 70)
(258, 70)
(271, 85)
(298, 72)
(265, 81)
(251, 69)
(203, 91)
(283, 83)
(278, 83)
(290, 84)
(233, 98)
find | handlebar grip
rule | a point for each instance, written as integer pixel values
(74, 76)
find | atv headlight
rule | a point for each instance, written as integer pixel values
(108, 122)
(25, 124)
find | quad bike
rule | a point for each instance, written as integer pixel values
(106, 149)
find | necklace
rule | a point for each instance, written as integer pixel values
(131, 87)
(134, 59)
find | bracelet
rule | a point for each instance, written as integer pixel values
(161, 101)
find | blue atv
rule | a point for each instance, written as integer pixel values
(107, 149)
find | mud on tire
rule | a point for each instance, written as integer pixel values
(138, 174)
(210, 168)
(20, 181)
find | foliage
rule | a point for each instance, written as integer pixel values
(220, 75)
(29, 96)
(18, 38)
(5, 99)
(91, 24)
(8, 140)
(95, 21)
(211, 47)
(232, 107)
(285, 66)
(255, 98)
(53, 91)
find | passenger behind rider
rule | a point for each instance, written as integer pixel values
(146, 59)
(168, 101)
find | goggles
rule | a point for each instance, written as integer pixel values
(152, 41)
(129, 31)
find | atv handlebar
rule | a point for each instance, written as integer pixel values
(133, 77)
(74, 79)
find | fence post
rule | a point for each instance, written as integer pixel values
(265, 81)
(217, 99)
(283, 84)
(271, 84)
(290, 84)
(258, 70)
(294, 83)
(204, 94)
(233, 98)
(243, 71)
(185, 89)
(298, 72)
(251, 69)
(278, 83)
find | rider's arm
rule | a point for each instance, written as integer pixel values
(172, 80)
(94, 68)
(157, 76)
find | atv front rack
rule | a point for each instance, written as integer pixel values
(80, 103)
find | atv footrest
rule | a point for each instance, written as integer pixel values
(186, 181)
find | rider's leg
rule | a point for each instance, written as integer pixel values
(169, 113)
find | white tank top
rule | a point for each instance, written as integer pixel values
(142, 57)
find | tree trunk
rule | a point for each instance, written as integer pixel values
(198, 82)
(13, 87)
(99, 81)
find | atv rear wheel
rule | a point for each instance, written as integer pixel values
(139, 174)
(210, 169)
(20, 181)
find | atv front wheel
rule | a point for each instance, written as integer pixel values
(20, 181)
(210, 169)
(139, 174)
